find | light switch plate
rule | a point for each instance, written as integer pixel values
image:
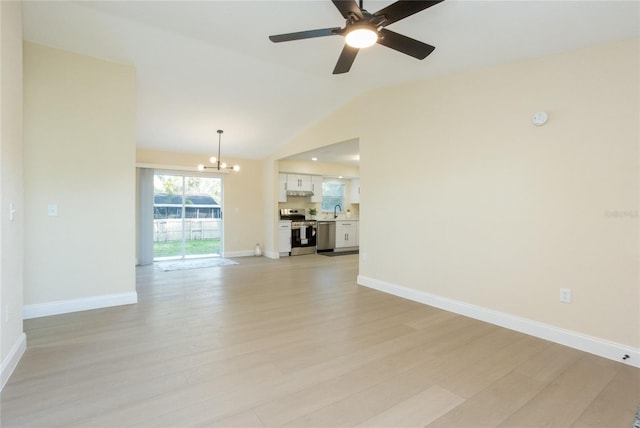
(565, 295)
(52, 210)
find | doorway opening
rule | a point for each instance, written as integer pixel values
(187, 216)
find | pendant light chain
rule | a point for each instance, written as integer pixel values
(220, 131)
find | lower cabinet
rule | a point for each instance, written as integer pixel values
(284, 237)
(346, 234)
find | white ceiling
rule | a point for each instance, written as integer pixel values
(208, 65)
(345, 153)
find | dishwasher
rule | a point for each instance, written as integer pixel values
(326, 239)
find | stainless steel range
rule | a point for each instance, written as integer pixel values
(303, 232)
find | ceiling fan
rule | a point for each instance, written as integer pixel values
(364, 29)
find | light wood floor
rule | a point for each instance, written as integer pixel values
(295, 342)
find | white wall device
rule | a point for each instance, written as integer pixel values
(540, 118)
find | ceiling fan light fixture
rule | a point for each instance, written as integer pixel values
(362, 37)
(363, 29)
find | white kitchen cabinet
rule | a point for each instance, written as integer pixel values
(299, 183)
(284, 237)
(316, 187)
(282, 187)
(347, 234)
(355, 190)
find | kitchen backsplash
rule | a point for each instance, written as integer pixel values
(303, 202)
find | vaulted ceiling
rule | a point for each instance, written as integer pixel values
(208, 65)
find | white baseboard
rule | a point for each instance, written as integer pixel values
(272, 254)
(243, 253)
(594, 345)
(75, 305)
(11, 361)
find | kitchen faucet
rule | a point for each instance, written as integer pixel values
(334, 211)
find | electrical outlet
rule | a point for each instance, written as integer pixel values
(565, 295)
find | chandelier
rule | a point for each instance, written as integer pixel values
(217, 164)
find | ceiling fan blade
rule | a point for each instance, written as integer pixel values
(401, 9)
(346, 59)
(347, 7)
(404, 44)
(304, 35)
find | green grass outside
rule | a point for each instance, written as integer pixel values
(195, 247)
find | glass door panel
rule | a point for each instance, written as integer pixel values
(187, 216)
(168, 224)
(203, 220)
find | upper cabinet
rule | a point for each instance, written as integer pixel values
(316, 187)
(299, 183)
(355, 190)
(282, 187)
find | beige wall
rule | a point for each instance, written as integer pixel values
(243, 202)
(484, 208)
(79, 148)
(11, 187)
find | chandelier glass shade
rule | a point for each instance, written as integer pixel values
(217, 164)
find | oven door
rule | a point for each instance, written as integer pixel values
(303, 239)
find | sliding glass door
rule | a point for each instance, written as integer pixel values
(187, 216)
